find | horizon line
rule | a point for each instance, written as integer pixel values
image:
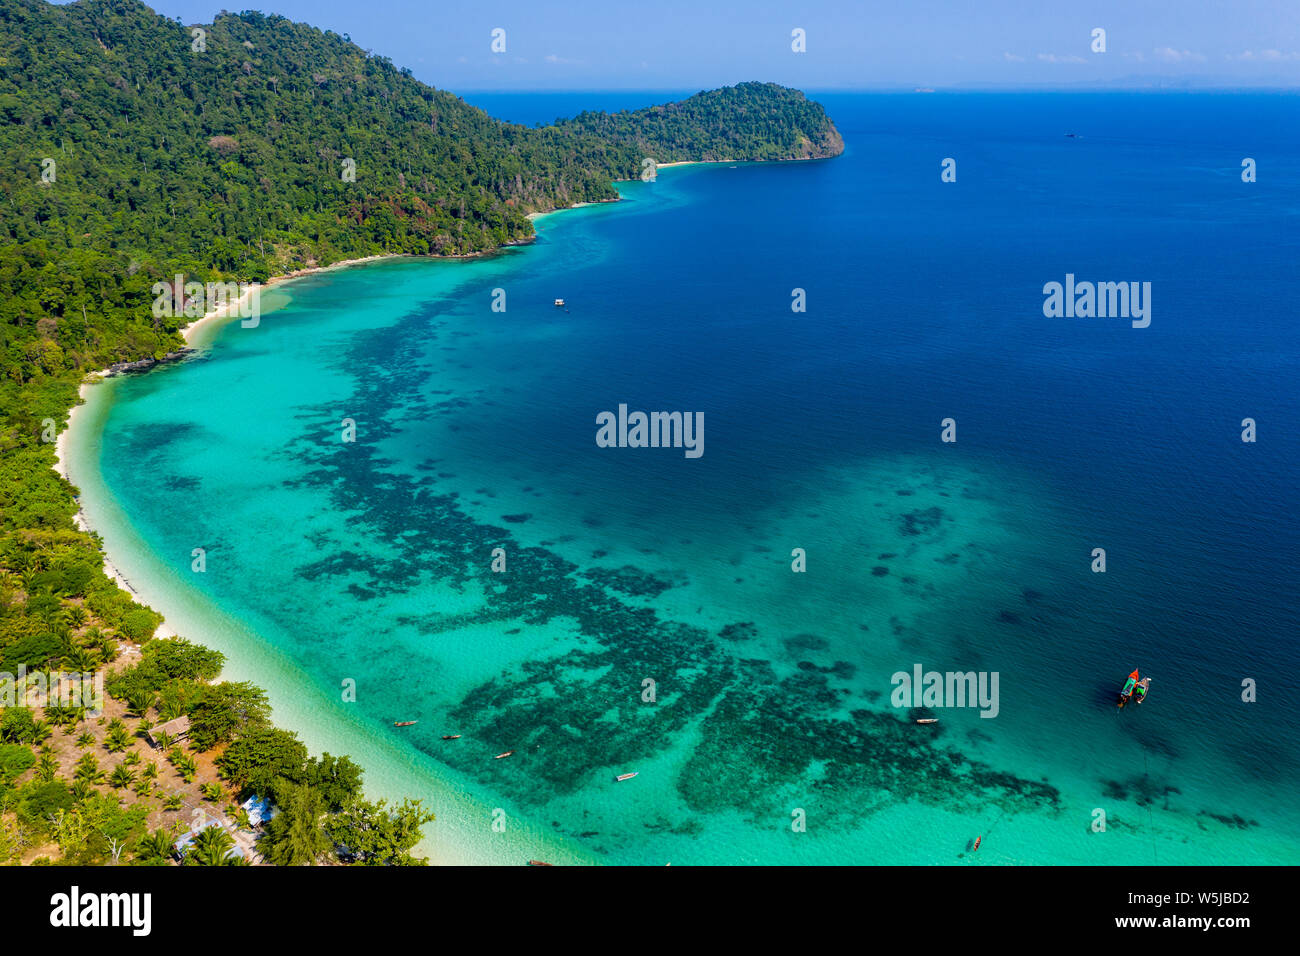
(898, 88)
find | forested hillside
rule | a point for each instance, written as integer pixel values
(750, 121)
(238, 160)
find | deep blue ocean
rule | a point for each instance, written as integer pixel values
(924, 302)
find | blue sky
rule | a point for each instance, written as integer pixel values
(853, 44)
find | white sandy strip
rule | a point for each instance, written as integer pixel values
(217, 315)
(61, 457)
(579, 205)
(61, 444)
(576, 205)
(230, 310)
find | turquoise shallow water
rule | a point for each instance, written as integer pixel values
(369, 561)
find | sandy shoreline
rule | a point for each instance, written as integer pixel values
(219, 316)
(533, 216)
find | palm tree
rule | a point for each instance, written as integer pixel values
(118, 737)
(108, 649)
(173, 802)
(41, 732)
(184, 764)
(171, 708)
(240, 816)
(138, 702)
(150, 771)
(121, 777)
(79, 659)
(212, 791)
(86, 739)
(73, 715)
(211, 847)
(87, 770)
(81, 790)
(156, 847)
(47, 767)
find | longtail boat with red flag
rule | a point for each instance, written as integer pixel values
(1126, 692)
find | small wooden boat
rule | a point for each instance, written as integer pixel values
(928, 720)
(977, 843)
(451, 736)
(626, 776)
(506, 754)
(404, 723)
(1140, 689)
(539, 863)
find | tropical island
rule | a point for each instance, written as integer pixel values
(134, 149)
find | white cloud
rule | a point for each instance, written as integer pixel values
(1265, 56)
(1012, 58)
(1170, 55)
(1053, 58)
